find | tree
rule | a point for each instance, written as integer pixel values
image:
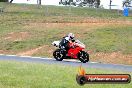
(110, 3)
(3, 0)
(11, 1)
(39, 2)
(90, 1)
(97, 3)
(127, 3)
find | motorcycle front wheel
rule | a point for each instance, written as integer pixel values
(83, 56)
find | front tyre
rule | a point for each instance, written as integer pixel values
(83, 56)
(58, 54)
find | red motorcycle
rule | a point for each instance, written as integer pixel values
(76, 51)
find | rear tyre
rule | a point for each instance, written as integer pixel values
(58, 54)
(83, 56)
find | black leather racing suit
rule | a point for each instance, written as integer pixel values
(64, 43)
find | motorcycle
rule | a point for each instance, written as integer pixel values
(76, 51)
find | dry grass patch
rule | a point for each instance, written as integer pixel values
(17, 36)
(114, 57)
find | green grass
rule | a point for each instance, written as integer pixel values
(107, 39)
(110, 39)
(37, 75)
(54, 13)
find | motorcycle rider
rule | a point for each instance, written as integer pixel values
(66, 40)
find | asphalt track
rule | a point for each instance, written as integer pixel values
(127, 68)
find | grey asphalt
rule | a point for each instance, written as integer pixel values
(127, 68)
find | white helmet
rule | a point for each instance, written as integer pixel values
(71, 35)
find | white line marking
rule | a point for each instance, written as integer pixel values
(12, 55)
(36, 57)
(70, 60)
(94, 62)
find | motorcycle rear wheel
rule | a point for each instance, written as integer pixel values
(58, 54)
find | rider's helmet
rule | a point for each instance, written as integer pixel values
(71, 35)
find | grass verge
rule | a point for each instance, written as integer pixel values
(27, 27)
(37, 75)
